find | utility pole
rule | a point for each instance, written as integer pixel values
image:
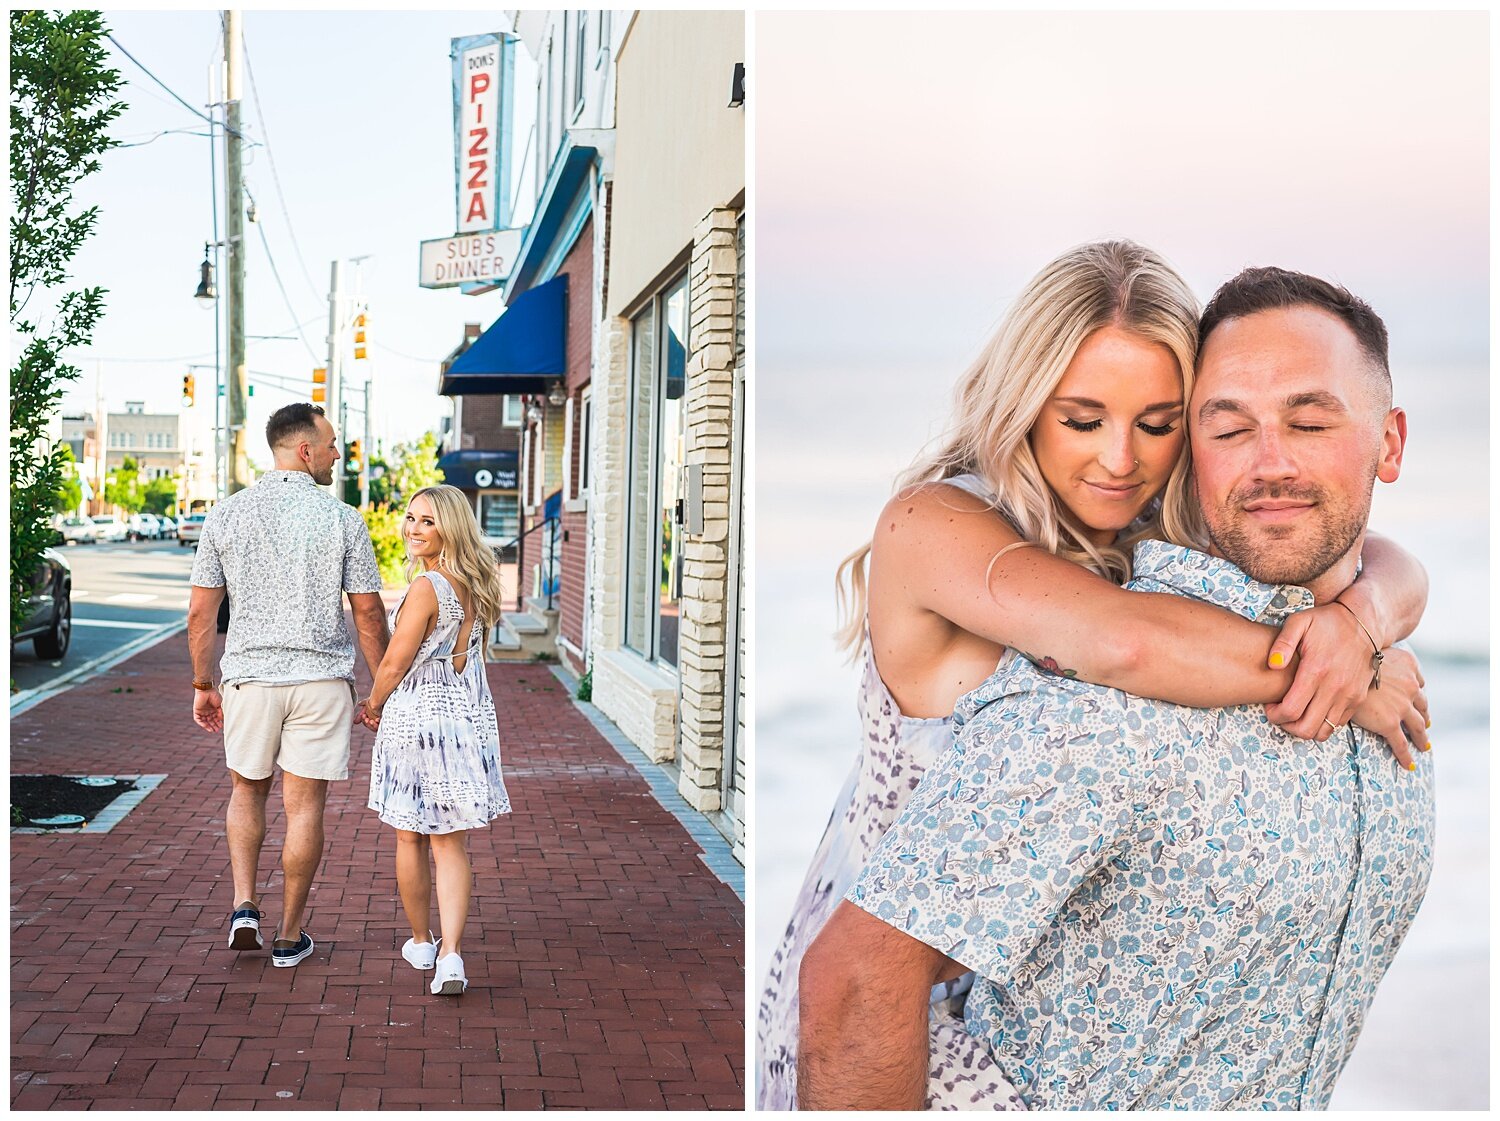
(239, 462)
(367, 450)
(335, 358)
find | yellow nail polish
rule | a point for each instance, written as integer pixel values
(1411, 766)
(1429, 723)
(1278, 659)
(1428, 747)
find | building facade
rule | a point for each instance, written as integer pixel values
(669, 567)
(621, 344)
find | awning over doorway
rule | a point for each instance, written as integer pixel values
(479, 470)
(522, 352)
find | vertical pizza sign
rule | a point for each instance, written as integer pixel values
(482, 77)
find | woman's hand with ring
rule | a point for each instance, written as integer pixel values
(1333, 671)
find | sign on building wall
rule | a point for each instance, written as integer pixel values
(480, 258)
(483, 249)
(482, 77)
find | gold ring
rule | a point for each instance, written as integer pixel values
(1330, 723)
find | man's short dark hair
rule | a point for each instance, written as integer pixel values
(292, 420)
(1270, 288)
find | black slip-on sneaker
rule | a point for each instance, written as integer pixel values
(285, 952)
(244, 928)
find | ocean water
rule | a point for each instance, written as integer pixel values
(819, 487)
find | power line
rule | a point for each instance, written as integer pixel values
(275, 178)
(159, 135)
(195, 112)
(403, 354)
(276, 275)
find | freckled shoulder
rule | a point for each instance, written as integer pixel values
(933, 516)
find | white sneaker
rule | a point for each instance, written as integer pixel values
(421, 955)
(449, 979)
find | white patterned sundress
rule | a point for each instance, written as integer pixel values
(896, 752)
(436, 763)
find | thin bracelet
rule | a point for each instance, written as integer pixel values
(1377, 658)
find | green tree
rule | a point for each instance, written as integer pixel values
(61, 107)
(123, 487)
(415, 467)
(380, 480)
(160, 495)
(384, 525)
(69, 489)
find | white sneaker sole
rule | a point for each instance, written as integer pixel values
(454, 986)
(245, 935)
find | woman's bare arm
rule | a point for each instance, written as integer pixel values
(414, 622)
(934, 548)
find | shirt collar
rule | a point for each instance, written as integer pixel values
(1218, 581)
(286, 476)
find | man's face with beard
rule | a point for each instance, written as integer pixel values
(1290, 427)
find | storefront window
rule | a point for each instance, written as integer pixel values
(658, 442)
(500, 516)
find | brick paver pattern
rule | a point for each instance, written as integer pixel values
(605, 961)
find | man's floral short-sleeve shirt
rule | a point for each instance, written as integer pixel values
(1166, 907)
(288, 551)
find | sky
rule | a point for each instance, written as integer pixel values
(355, 110)
(1349, 144)
(912, 171)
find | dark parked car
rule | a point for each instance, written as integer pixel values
(49, 607)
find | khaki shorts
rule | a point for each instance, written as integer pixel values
(303, 729)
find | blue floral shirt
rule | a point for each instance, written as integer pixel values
(1165, 907)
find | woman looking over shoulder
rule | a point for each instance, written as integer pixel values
(1066, 447)
(435, 771)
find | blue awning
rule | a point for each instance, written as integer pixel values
(521, 352)
(480, 470)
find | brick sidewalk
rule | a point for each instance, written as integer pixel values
(605, 962)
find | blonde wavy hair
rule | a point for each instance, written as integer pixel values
(1104, 283)
(467, 558)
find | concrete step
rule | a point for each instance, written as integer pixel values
(523, 638)
(537, 605)
(523, 622)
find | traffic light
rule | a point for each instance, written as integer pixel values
(187, 391)
(353, 457)
(320, 384)
(359, 335)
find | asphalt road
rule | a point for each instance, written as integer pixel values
(122, 592)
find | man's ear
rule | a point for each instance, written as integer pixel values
(1392, 446)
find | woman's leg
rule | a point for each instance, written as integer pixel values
(414, 878)
(450, 852)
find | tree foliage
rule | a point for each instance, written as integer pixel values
(160, 495)
(61, 106)
(123, 487)
(69, 489)
(384, 525)
(415, 466)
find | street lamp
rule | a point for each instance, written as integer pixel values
(206, 294)
(557, 395)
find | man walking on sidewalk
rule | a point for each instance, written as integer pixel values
(286, 552)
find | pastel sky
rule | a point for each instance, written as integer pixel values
(917, 168)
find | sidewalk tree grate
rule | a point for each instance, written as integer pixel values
(74, 803)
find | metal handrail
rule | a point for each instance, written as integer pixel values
(549, 580)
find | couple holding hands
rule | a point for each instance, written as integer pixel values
(287, 551)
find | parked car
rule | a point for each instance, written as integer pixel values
(77, 531)
(141, 527)
(190, 529)
(49, 607)
(166, 527)
(109, 528)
